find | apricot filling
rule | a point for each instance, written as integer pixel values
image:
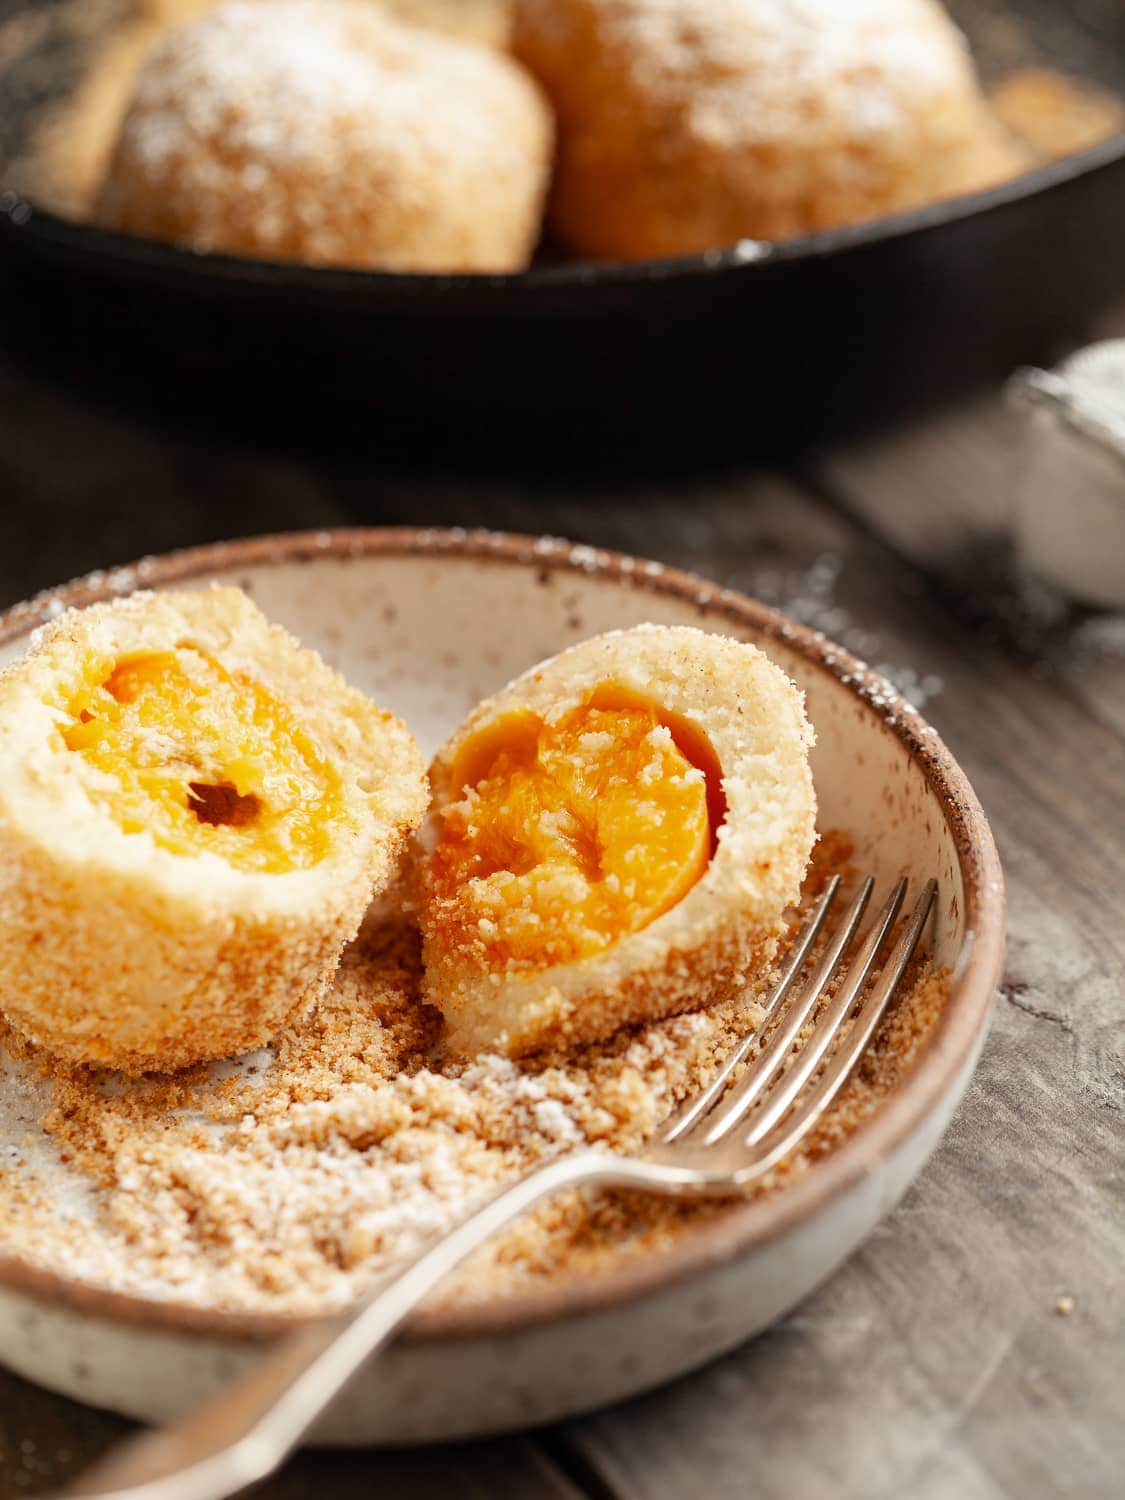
(569, 835)
(204, 759)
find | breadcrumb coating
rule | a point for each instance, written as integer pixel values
(323, 131)
(687, 125)
(290, 1185)
(748, 719)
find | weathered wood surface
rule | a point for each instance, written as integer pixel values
(936, 1363)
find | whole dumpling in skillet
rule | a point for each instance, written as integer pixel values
(690, 124)
(325, 132)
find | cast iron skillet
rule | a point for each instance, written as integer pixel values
(751, 353)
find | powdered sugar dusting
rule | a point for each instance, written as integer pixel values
(686, 125)
(327, 132)
(870, 63)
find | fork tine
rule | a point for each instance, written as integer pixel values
(682, 1119)
(782, 1095)
(835, 1075)
(776, 1049)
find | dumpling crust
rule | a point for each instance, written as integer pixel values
(324, 132)
(687, 125)
(726, 925)
(117, 951)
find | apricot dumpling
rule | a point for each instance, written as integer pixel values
(613, 838)
(194, 815)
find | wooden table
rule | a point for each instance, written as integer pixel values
(975, 1347)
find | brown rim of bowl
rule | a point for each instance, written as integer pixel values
(744, 1225)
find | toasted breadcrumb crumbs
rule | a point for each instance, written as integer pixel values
(282, 1183)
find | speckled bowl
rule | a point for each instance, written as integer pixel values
(429, 622)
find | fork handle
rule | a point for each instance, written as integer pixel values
(246, 1431)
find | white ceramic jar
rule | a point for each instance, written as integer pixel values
(1071, 516)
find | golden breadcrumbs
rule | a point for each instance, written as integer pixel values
(280, 1183)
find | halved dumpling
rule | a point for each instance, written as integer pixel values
(194, 814)
(613, 838)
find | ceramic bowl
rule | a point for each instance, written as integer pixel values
(429, 622)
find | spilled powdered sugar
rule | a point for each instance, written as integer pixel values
(810, 596)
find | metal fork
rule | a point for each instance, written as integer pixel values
(720, 1142)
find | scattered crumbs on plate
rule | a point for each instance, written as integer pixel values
(285, 1184)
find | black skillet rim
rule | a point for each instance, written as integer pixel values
(26, 227)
